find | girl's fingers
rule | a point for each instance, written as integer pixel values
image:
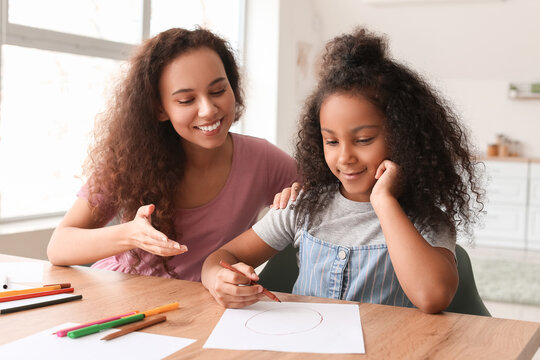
(248, 271)
(380, 170)
(234, 296)
(234, 291)
(238, 304)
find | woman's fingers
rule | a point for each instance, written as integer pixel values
(169, 248)
(295, 190)
(281, 200)
(145, 211)
(277, 199)
(284, 198)
(149, 238)
(157, 243)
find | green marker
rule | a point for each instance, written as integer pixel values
(92, 329)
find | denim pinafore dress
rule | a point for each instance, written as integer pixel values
(357, 273)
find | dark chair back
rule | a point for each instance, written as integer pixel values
(467, 300)
(281, 271)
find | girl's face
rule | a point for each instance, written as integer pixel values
(354, 142)
(197, 98)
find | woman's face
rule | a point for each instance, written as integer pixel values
(354, 142)
(197, 98)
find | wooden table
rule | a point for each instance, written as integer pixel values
(389, 332)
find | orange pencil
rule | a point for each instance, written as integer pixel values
(265, 291)
(161, 309)
(37, 294)
(29, 291)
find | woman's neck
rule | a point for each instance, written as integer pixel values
(201, 159)
(205, 174)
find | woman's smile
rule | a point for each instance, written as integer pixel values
(210, 129)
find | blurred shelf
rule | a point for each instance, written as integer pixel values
(524, 91)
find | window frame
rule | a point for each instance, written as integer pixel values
(44, 39)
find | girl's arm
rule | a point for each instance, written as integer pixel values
(427, 274)
(81, 239)
(245, 252)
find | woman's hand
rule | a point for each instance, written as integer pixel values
(282, 199)
(233, 290)
(144, 236)
(389, 182)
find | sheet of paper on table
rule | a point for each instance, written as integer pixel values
(292, 327)
(22, 272)
(136, 345)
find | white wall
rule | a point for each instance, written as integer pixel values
(470, 50)
(300, 38)
(282, 39)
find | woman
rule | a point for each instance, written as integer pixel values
(166, 164)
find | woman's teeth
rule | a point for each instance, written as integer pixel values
(210, 127)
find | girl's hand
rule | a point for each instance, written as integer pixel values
(388, 183)
(144, 236)
(282, 199)
(233, 290)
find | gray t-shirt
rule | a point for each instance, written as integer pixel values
(344, 222)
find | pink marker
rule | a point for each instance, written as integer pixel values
(63, 332)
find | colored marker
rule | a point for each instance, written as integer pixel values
(41, 304)
(265, 291)
(161, 309)
(29, 291)
(92, 329)
(62, 285)
(131, 328)
(38, 294)
(63, 332)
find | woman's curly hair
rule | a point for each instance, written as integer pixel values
(424, 135)
(136, 159)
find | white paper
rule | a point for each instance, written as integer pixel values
(290, 326)
(13, 286)
(135, 345)
(31, 272)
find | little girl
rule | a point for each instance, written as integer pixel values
(388, 182)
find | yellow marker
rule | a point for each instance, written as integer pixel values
(29, 291)
(161, 309)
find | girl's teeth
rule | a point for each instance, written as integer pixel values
(211, 127)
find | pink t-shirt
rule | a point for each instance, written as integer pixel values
(259, 171)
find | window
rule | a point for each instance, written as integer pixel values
(58, 63)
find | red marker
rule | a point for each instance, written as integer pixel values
(33, 295)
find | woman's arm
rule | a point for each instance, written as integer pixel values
(427, 274)
(245, 252)
(81, 239)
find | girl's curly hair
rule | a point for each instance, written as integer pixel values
(425, 136)
(136, 159)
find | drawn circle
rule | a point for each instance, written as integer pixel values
(284, 321)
